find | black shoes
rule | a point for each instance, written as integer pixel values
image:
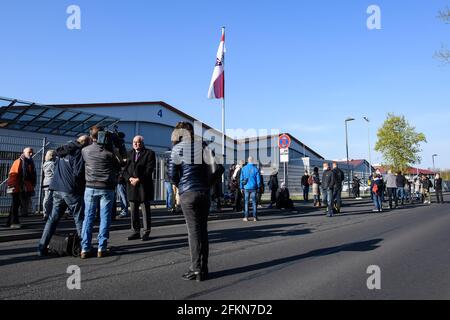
(195, 275)
(146, 236)
(134, 236)
(137, 235)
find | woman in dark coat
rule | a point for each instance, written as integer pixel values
(138, 174)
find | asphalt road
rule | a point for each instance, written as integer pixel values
(283, 256)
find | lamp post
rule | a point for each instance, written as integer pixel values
(368, 139)
(434, 169)
(346, 145)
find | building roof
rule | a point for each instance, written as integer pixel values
(168, 106)
(410, 171)
(290, 135)
(136, 104)
(33, 117)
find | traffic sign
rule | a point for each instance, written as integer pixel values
(284, 155)
(284, 141)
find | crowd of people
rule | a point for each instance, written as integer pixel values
(401, 189)
(86, 177)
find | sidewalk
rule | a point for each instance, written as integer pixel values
(32, 226)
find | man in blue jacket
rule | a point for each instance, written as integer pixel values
(250, 182)
(68, 189)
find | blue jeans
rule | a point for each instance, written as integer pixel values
(248, 194)
(61, 201)
(91, 197)
(305, 193)
(401, 195)
(169, 195)
(122, 193)
(328, 199)
(377, 200)
(48, 202)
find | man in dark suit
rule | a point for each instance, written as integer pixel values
(138, 174)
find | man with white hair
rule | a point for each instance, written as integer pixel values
(250, 182)
(21, 184)
(138, 173)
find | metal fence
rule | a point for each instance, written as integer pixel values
(11, 149)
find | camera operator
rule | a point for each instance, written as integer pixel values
(68, 187)
(138, 175)
(102, 163)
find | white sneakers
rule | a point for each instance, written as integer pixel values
(245, 219)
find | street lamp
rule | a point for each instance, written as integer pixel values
(434, 169)
(368, 139)
(346, 145)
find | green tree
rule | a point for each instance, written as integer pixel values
(399, 143)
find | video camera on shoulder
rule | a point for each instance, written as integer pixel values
(112, 139)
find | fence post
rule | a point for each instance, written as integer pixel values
(44, 143)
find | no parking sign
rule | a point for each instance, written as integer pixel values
(284, 141)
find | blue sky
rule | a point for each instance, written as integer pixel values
(300, 66)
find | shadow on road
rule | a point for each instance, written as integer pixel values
(361, 246)
(216, 236)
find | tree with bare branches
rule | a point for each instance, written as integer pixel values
(444, 53)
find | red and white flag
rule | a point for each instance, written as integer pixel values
(217, 86)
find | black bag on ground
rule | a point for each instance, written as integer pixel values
(65, 245)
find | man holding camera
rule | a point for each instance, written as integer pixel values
(102, 166)
(138, 174)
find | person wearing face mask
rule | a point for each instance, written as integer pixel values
(21, 185)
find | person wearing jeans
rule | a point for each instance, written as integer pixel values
(67, 186)
(250, 182)
(328, 186)
(102, 168)
(106, 200)
(122, 194)
(61, 201)
(250, 194)
(169, 195)
(377, 187)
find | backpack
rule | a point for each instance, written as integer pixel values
(375, 188)
(310, 180)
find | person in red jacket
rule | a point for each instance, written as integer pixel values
(21, 184)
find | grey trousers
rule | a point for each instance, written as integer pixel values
(135, 217)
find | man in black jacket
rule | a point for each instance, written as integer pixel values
(138, 173)
(68, 187)
(337, 188)
(305, 186)
(328, 184)
(102, 166)
(273, 186)
(438, 188)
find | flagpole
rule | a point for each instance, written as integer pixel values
(223, 121)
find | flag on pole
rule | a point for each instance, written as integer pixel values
(217, 86)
